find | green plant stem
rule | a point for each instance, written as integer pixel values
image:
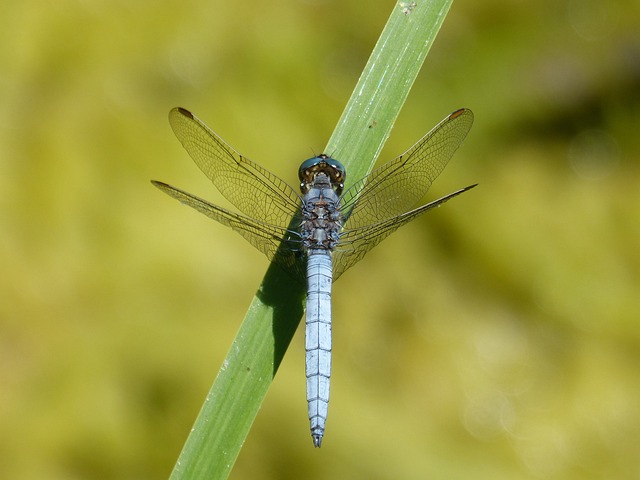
(275, 312)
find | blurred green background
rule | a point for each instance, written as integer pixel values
(495, 338)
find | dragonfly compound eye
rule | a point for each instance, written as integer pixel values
(322, 164)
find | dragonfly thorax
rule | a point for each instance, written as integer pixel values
(322, 164)
(321, 217)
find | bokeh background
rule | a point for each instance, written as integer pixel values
(496, 338)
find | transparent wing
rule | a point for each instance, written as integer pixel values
(254, 191)
(279, 244)
(397, 186)
(355, 243)
(380, 203)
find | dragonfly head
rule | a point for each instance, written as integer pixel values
(322, 164)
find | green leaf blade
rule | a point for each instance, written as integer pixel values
(275, 312)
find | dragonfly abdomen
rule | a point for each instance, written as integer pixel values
(318, 340)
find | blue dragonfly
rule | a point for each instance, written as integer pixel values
(317, 234)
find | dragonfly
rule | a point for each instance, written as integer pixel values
(318, 233)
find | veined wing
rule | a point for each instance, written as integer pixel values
(254, 191)
(279, 244)
(356, 242)
(398, 185)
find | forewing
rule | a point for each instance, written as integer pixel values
(279, 244)
(397, 186)
(355, 243)
(254, 191)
